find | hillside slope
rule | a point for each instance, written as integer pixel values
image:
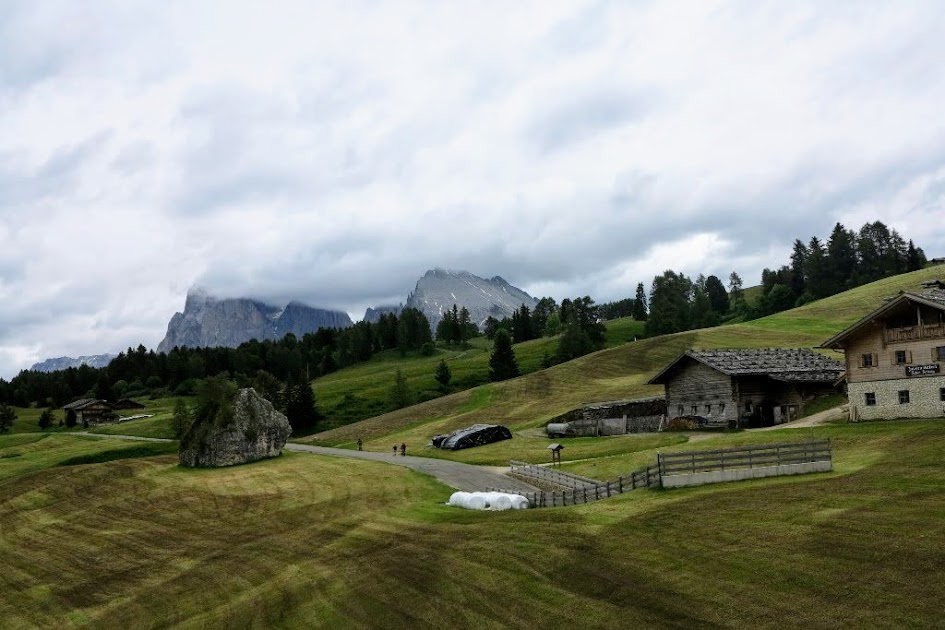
(619, 372)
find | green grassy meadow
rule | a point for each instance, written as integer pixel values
(102, 532)
(619, 372)
(309, 541)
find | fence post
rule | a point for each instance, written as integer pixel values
(692, 458)
(620, 480)
(596, 492)
(585, 494)
(608, 489)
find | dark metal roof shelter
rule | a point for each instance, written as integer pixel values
(782, 364)
(82, 403)
(476, 435)
(932, 296)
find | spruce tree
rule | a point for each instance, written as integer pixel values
(400, 395)
(639, 304)
(502, 363)
(7, 416)
(181, 419)
(443, 375)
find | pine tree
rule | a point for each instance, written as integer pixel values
(443, 375)
(841, 260)
(718, 296)
(7, 416)
(639, 304)
(300, 406)
(46, 419)
(502, 363)
(400, 395)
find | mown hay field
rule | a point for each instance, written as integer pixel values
(308, 541)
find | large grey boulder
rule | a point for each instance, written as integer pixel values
(252, 429)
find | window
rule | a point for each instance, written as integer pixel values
(866, 360)
(941, 394)
(900, 357)
(748, 406)
(870, 398)
(708, 409)
(903, 396)
(695, 409)
(679, 410)
(939, 353)
(722, 405)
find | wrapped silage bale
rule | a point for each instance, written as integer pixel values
(519, 502)
(475, 501)
(502, 502)
(458, 499)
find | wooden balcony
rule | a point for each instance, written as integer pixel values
(914, 333)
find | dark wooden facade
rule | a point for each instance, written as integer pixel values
(91, 411)
(745, 387)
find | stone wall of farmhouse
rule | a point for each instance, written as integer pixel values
(925, 398)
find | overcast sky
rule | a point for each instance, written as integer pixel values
(331, 152)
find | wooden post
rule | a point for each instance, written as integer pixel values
(620, 481)
(608, 489)
(585, 494)
(596, 492)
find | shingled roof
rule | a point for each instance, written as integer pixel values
(782, 364)
(933, 295)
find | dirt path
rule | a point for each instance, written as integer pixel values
(813, 420)
(454, 474)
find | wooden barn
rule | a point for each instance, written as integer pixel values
(90, 411)
(127, 403)
(747, 387)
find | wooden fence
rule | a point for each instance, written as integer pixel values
(577, 489)
(550, 475)
(688, 463)
(590, 490)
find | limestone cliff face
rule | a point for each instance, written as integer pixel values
(254, 431)
(439, 289)
(210, 322)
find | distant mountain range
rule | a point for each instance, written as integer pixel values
(208, 321)
(439, 289)
(64, 363)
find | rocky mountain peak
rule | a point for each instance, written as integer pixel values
(208, 321)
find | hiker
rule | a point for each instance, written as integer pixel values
(360, 444)
(395, 450)
(403, 450)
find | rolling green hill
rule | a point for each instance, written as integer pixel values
(615, 373)
(324, 542)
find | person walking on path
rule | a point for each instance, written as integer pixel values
(403, 449)
(395, 450)
(360, 444)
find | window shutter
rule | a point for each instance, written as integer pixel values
(908, 356)
(892, 357)
(875, 359)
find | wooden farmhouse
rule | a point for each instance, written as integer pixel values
(894, 357)
(91, 411)
(745, 387)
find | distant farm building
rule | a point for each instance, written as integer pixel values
(89, 411)
(616, 417)
(894, 357)
(745, 387)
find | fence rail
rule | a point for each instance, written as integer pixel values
(590, 490)
(551, 475)
(816, 454)
(744, 457)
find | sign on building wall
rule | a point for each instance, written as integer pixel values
(922, 370)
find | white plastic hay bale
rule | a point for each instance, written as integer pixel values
(458, 499)
(502, 502)
(519, 502)
(476, 502)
